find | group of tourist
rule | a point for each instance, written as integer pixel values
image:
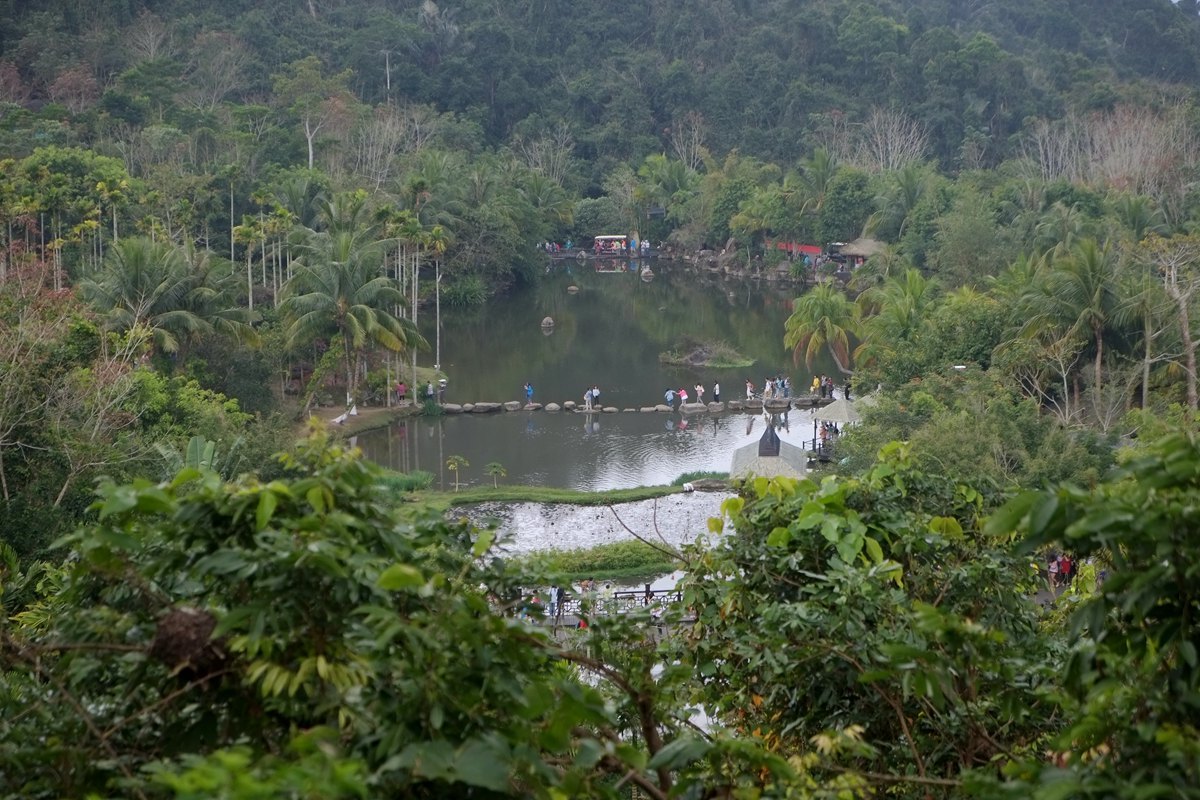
(555, 247)
(591, 398)
(1060, 569)
(670, 395)
(822, 386)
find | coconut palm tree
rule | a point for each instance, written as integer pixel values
(340, 289)
(178, 294)
(893, 312)
(823, 317)
(1079, 295)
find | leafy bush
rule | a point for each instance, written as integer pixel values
(415, 481)
(617, 560)
(466, 292)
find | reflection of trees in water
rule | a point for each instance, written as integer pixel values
(613, 330)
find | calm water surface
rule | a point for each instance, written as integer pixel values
(610, 333)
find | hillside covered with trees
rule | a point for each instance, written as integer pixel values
(212, 212)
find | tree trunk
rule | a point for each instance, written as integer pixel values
(1146, 369)
(1189, 350)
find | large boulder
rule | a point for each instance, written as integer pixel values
(609, 409)
(663, 407)
(780, 404)
(569, 405)
(486, 408)
(467, 408)
(715, 407)
(452, 408)
(693, 408)
(512, 405)
(753, 405)
(553, 407)
(533, 406)
(648, 409)
(737, 405)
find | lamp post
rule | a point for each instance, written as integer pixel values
(437, 294)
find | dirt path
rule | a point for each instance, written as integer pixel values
(367, 418)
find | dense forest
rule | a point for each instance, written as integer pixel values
(212, 212)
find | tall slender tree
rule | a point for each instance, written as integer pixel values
(341, 290)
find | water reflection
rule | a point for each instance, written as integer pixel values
(609, 333)
(574, 450)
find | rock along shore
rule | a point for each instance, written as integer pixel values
(805, 402)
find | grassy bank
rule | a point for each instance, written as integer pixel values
(620, 560)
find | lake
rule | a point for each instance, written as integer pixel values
(609, 333)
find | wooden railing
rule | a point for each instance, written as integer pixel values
(600, 602)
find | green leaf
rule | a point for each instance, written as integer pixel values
(874, 550)
(680, 752)
(120, 500)
(480, 763)
(1005, 521)
(733, 506)
(400, 576)
(1187, 651)
(266, 508)
(779, 537)
(589, 753)
(483, 543)
(946, 526)
(316, 499)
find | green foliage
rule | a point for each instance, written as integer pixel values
(975, 425)
(848, 205)
(1130, 682)
(465, 292)
(876, 605)
(630, 560)
(415, 481)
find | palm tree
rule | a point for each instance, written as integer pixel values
(904, 190)
(1079, 296)
(340, 289)
(893, 313)
(497, 471)
(455, 464)
(818, 171)
(824, 317)
(178, 294)
(1139, 215)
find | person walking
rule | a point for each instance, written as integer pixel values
(699, 393)
(595, 395)
(587, 399)
(749, 390)
(528, 392)
(401, 392)
(669, 397)
(716, 392)
(683, 396)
